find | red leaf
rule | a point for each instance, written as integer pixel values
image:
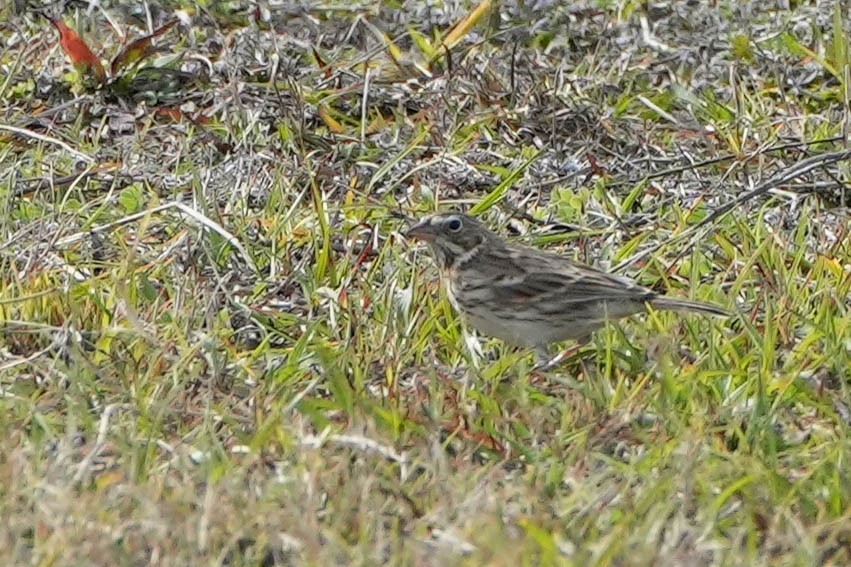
(77, 51)
(138, 49)
(367, 249)
(323, 66)
(177, 115)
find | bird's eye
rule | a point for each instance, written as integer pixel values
(454, 225)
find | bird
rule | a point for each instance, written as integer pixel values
(529, 297)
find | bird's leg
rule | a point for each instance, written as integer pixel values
(542, 360)
(545, 362)
(542, 357)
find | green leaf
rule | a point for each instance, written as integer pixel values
(500, 190)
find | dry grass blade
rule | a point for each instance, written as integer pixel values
(790, 173)
(215, 348)
(186, 210)
(463, 28)
(47, 139)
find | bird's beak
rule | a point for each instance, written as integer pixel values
(423, 230)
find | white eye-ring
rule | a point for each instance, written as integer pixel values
(454, 224)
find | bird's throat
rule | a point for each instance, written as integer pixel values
(460, 261)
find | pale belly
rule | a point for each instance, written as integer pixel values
(522, 332)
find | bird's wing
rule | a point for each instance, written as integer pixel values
(545, 277)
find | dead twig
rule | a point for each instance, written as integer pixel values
(785, 176)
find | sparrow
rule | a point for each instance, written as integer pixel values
(528, 297)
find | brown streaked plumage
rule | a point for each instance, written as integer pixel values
(528, 297)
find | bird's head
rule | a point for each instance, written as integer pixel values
(450, 235)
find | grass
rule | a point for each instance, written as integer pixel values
(217, 350)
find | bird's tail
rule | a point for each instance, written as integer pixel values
(673, 304)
